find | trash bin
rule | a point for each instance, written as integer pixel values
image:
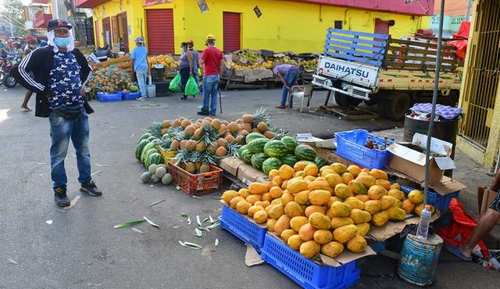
(158, 73)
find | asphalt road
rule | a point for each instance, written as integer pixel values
(44, 247)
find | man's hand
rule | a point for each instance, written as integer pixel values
(82, 91)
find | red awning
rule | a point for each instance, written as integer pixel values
(89, 3)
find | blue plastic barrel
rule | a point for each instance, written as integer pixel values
(419, 259)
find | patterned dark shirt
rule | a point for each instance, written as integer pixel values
(65, 82)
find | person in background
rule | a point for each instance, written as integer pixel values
(140, 65)
(58, 73)
(288, 74)
(185, 67)
(213, 66)
(30, 46)
(196, 60)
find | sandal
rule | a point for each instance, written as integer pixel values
(458, 253)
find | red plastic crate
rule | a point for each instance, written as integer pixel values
(191, 184)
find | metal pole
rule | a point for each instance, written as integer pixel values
(434, 100)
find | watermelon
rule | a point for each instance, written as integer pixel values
(290, 143)
(246, 156)
(289, 160)
(144, 136)
(155, 158)
(270, 164)
(320, 162)
(253, 136)
(241, 149)
(146, 148)
(257, 145)
(275, 149)
(147, 157)
(258, 159)
(305, 152)
(139, 148)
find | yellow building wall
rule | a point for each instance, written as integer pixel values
(283, 26)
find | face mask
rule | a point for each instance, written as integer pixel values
(62, 41)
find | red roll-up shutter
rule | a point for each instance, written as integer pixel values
(232, 31)
(160, 25)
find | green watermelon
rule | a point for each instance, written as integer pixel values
(139, 148)
(149, 146)
(320, 162)
(258, 159)
(257, 145)
(155, 158)
(305, 152)
(275, 149)
(246, 156)
(253, 136)
(289, 160)
(144, 136)
(241, 149)
(270, 164)
(290, 143)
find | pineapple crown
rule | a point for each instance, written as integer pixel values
(261, 115)
(232, 149)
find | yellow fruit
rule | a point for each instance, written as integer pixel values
(276, 192)
(325, 171)
(408, 206)
(260, 217)
(387, 202)
(273, 173)
(267, 197)
(363, 198)
(359, 216)
(345, 233)
(322, 236)
(396, 193)
(342, 191)
(363, 229)
(275, 211)
(373, 206)
(270, 225)
(355, 203)
(229, 195)
(357, 188)
(311, 170)
(306, 232)
(332, 200)
(253, 209)
(258, 188)
(378, 174)
(396, 214)
(299, 174)
(396, 186)
(282, 224)
(292, 209)
(332, 249)
(294, 242)
(416, 197)
(376, 192)
(319, 221)
(333, 179)
(284, 184)
(297, 222)
(347, 177)
(419, 208)
(354, 170)
(384, 183)
(319, 197)
(263, 204)
(319, 184)
(287, 234)
(339, 209)
(276, 201)
(338, 168)
(286, 198)
(338, 222)
(234, 201)
(296, 185)
(357, 244)
(309, 249)
(302, 198)
(300, 165)
(286, 172)
(365, 179)
(277, 181)
(244, 193)
(309, 179)
(311, 209)
(380, 219)
(252, 199)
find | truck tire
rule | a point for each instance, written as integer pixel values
(394, 106)
(346, 101)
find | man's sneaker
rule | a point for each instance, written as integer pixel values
(61, 198)
(91, 189)
(203, 112)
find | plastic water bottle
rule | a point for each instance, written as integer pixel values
(425, 220)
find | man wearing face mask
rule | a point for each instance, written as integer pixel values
(57, 73)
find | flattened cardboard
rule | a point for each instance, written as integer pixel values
(447, 186)
(231, 165)
(252, 258)
(248, 174)
(345, 257)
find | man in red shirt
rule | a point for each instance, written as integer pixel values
(211, 61)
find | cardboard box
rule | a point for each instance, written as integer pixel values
(247, 174)
(231, 165)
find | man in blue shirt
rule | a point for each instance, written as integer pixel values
(140, 64)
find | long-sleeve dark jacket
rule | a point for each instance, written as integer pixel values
(33, 73)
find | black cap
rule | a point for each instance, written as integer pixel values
(57, 23)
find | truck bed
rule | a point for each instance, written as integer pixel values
(394, 79)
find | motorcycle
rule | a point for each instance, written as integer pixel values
(6, 67)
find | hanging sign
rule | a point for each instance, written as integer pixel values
(155, 2)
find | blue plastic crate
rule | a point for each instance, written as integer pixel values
(351, 146)
(435, 199)
(131, 95)
(109, 97)
(307, 273)
(243, 228)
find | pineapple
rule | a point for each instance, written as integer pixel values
(261, 115)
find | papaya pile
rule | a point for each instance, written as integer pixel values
(324, 210)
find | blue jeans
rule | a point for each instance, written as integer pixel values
(290, 79)
(61, 130)
(210, 93)
(141, 81)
